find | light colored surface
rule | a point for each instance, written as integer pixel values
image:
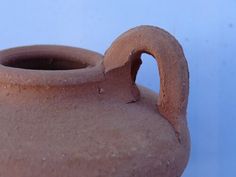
(206, 30)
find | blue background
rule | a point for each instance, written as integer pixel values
(205, 28)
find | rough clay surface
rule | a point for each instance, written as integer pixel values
(99, 125)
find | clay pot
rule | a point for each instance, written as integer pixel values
(71, 112)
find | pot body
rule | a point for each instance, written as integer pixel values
(87, 122)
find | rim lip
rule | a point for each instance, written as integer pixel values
(20, 76)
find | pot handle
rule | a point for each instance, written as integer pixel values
(172, 65)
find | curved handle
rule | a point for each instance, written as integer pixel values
(173, 69)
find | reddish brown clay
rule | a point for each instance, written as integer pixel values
(70, 112)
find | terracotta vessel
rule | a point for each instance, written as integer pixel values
(71, 112)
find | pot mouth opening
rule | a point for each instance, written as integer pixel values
(50, 65)
(44, 62)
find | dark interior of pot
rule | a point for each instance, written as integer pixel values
(44, 62)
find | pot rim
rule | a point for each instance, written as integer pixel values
(92, 72)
